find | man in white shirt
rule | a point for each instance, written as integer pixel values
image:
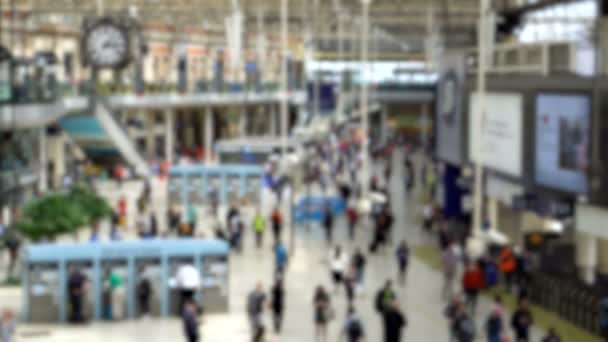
(188, 281)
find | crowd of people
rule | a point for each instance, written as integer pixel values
(336, 165)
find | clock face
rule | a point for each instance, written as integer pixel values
(106, 45)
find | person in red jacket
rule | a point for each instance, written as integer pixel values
(472, 283)
(508, 265)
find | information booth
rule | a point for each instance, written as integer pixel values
(194, 184)
(45, 281)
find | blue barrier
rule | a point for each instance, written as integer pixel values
(313, 208)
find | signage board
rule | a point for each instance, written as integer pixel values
(495, 134)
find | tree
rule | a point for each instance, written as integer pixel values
(94, 207)
(57, 214)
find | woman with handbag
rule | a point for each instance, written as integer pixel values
(323, 313)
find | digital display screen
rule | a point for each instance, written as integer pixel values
(562, 141)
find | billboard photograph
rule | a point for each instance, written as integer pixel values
(562, 141)
(449, 118)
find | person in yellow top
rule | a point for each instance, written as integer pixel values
(259, 225)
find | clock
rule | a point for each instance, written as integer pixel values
(449, 95)
(105, 44)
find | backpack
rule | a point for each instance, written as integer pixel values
(494, 325)
(355, 330)
(491, 272)
(466, 329)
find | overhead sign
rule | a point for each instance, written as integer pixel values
(562, 141)
(495, 134)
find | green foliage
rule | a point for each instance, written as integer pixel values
(94, 207)
(57, 214)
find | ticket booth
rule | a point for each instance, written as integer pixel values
(216, 286)
(43, 290)
(175, 262)
(150, 270)
(130, 262)
(85, 267)
(115, 288)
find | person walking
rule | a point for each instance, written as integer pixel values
(352, 217)
(255, 308)
(551, 336)
(190, 321)
(188, 282)
(403, 255)
(338, 263)
(451, 312)
(353, 328)
(277, 305)
(259, 225)
(410, 176)
(521, 321)
(280, 257)
(328, 223)
(323, 313)
(603, 318)
(12, 244)
(277, 223)
(384, 297)
(358, 262)
(7, 326)
(472, 283)
(494, 326)
(508, 266)
(394, 322)
(449, 259)
(463, 326)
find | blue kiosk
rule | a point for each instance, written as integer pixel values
(193, 184)
(47, 268)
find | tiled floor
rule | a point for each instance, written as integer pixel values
(420, 298)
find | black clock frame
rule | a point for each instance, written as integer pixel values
(89, 26)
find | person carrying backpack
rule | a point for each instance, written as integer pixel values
(494, 327)
(353, 328)
(463, 326)
(384, 297)
(394, 322)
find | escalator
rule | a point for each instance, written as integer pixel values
(103, 138)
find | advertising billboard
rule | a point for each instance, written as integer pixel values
(562, 141)
(495, 136)
(449, 118)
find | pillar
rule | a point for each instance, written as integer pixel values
(272, 113)
(586, 256)
(243, 121)
(208, 134)
(426, 119)
(383, 123)
(493, 213)
(602, 256)
(43, 154)
(150, 133)
(169, 135)
(189, 129)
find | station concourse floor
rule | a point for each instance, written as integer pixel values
(420, 297)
